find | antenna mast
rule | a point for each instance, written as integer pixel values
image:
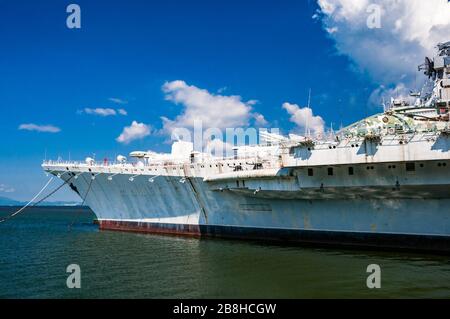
(307, 133)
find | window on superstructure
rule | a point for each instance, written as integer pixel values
(410, 167)
(330, 171)
(350, 170)
(310, 172)
(257, 166)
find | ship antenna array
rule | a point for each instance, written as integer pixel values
(307, 132)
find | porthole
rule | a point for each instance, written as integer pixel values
(350, 170)
(330, 171)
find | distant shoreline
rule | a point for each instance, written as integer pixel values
(6, 201)
(45, 206)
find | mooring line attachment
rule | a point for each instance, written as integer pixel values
(95, 175)
(77, 175)
(110, 177)
(59, 175)
(32, 200)
(152, 179)
(133, 177)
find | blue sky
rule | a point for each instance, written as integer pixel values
(269, 51)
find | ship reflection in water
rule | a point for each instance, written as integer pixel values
(38, 246)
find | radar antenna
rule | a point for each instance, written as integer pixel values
(428, 68)
(444, 48)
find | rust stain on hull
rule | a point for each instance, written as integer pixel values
(149, 228)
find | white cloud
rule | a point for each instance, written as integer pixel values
(222, 89)
(383, 94)
(260, 120)
(332, 30)
(100, 111)
(305, 119)
(133, 132)
(39, 128)
(410, 30)
(122, 112)
(117, 100)
(103, 111)
(213, 110)
(6, 189)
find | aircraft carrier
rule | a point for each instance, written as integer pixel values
(383, 181)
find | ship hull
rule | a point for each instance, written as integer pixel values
(426, 243)
(194, 208)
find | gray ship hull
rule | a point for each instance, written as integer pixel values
(382, 216)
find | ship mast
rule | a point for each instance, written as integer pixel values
(307, 132)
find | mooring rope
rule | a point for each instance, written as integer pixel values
(82, 203)
(52, 192)
(28, 204)
(47, 196)
(34, 198)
